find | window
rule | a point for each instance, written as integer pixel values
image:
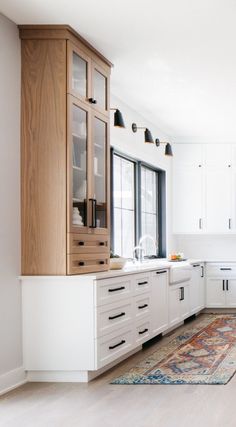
(123, 206)
(149, 197)
(138, 207)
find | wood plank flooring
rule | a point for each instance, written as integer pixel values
(100, 404)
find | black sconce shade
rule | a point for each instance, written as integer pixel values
(148, 136)
(168, 150)
(118, 119)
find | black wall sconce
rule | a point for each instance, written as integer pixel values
(147, 134)
(118, 118)
(168, 148)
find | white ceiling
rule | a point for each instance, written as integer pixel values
(175, 60)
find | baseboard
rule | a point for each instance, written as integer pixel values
(12, 379)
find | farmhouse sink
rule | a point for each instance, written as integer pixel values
(180, 273)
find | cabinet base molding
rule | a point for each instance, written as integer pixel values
(12, 379)
(74, 376)
(219, 310)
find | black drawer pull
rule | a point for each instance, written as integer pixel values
(81, 243)
(102, 243)
(81, 263)
(116, 316)
(143, 332)
(161, 272)
(142, 283)
(225, 269)
(142, 306)
(92, 101)
(116, 289)
(227, 285)
(196, 265)
(101, 262)
(116, 345)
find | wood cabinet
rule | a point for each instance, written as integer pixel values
(65, 153)
(204, 189)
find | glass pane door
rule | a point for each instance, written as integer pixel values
(79, 67)
(100, 168)
(79, 165)
(100, 85)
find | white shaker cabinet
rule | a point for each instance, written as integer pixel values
(197, 289)
(179, 303)
(221, 285)
(159, 302)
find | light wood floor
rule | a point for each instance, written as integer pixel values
(100, 404)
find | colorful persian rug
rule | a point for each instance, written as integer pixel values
(203, 354)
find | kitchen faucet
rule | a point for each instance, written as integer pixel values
(148, 237)
(138, 252)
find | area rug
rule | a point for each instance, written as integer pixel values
(204, 353)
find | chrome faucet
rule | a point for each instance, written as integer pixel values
(138, 253)
(148, 237)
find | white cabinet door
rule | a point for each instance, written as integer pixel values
(194, 289)
(188, 154)
(230, 286)
(217, 154)
(159, 302)
(218, 199)
(187, 199)
(202, 288)
(174, 305)
(185, 302)
(215, 293)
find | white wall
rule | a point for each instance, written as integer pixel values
(10, 292)
(133, 144)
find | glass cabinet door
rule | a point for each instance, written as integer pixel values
(79, 154)
(100, 88)
(79, 66)
(100, 154)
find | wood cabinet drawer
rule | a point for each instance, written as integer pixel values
(141, 305)
(113, 316)
(87, 263)
(142, 283)
(114, 345)
(143, 331)
(221, 270)
(87, 243)
(113, 289)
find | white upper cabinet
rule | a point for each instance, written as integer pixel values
(204, 188)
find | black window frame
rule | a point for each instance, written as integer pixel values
(161, 200)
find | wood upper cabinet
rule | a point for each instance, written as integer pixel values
(65, 153)
(88, 79)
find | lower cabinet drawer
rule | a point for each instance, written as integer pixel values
(87, 243)
(111, 317)
(142, 283)
(221, 270)
(113, 289)
(142, 305)
(143, 331)
(87, 263)
(114, 345)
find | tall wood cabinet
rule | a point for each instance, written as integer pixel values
(65, 153)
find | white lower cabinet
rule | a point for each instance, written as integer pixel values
(221, 285)
(179, 303)
(112, 346)
(197, 289)
(159, 301)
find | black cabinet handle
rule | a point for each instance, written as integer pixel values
(81, 243)
(102, 243)
(143, 332)
(196, 265)
(142, 283)
(142, 306)
(202, 275)
(161, 272)
(94, 213)
(116, 316)
(101, 262)
(225, 269)
(181, 293)
(227, 285)
(92, 101)
(116, 345)
(223, 285)
(81, 263)
(116, 289)
(229, 223)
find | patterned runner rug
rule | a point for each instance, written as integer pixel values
(202, 354)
